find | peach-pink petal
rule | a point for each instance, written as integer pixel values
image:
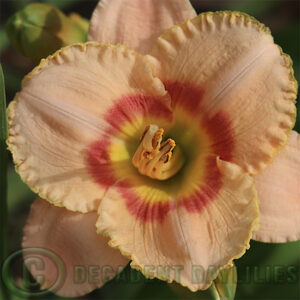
(136, 23)
(278, 189)
(233, 61)
(185, 246)
(61, 110)
(72, 237)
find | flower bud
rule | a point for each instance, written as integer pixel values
(40, 29)
(81, 22)
(225, 284)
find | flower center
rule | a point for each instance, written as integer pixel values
(155, 159)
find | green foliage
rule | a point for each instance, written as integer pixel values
(254, 7)
(3, 176)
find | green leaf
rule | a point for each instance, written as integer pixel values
(3, 177)
(269, 271)
(19, 194)
(4, 43)
(254, 8)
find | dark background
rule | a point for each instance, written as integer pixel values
(266, 271)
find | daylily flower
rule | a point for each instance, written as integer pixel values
(161, 152)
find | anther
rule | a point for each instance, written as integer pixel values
(156, 159)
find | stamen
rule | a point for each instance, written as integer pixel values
(156, 160)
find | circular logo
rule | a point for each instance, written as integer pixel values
(36, 259)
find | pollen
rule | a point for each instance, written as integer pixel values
(157, 159)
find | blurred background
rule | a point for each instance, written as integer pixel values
(266, 271)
